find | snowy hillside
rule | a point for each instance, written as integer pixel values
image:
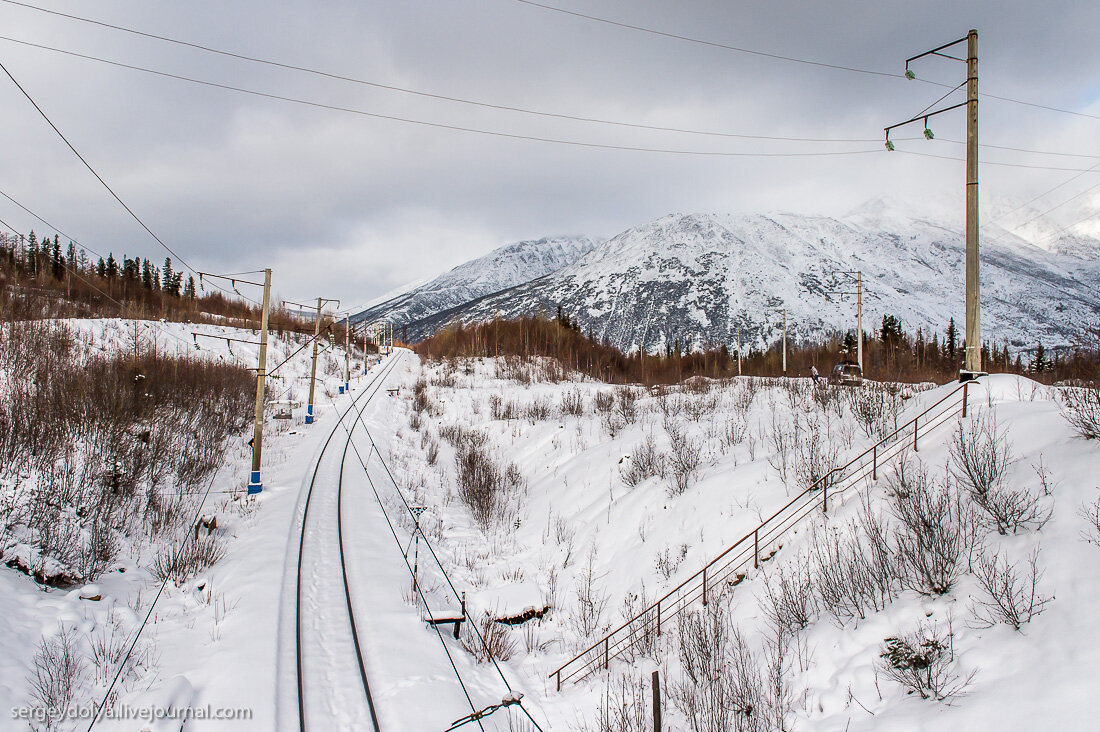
(504, 267)
(699, 279)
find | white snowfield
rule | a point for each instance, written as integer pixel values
(573, 534)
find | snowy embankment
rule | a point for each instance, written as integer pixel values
(210, 639)
(606, 497)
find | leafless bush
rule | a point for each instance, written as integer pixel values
(723, 688)
(592, 601)
(856, 574)
(783, 438)
(622, 708)
(109, 643)
(923, 662)
(646, 461)
(789, 600)
(572, 402)
(57, 679)
(1011, 591)
(498, 641)
(192, 557)
(732, 433)
(981, 456)
(667, 563)
(815, 457)
(481, 483)
(605, 401)
(415, 421)
(538, 411)
(1090, 512)
(935, 531)
(500, 409)
(1081, 408)
(421, 400)
(625, 404)
(684, 458)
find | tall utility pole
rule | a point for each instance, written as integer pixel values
(347, 352)
(313, 369)
(738, 350)
(973, 362)
(254, 483)
(973, 303)
(859, 319)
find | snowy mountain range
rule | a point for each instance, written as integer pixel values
(503, 268)
(706, 279)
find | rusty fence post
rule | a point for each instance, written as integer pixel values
(559, 679)
(825, 495)
(966, 387)
(916, 432)
(606, 659)
(656, 702)
(658, 617)
(756, 549)
(704, 585)
(874, 462)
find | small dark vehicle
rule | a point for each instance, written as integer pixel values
(846, 373)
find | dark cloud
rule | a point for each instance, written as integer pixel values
(350, 206)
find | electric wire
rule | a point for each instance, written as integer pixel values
(990, 162)
(416, 92)
(792, 59)
(360, 421)
(87, 165)
(101, 705)
(443, 125)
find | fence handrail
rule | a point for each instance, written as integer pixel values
(817, 485)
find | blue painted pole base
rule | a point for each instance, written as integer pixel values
(309, 414)
(341, 389)
(254, 484)
(347, 386)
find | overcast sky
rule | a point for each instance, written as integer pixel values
(349, 206)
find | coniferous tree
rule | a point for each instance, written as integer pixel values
(189, 291)
(57, 264)
(951, 341)
(1039, 363)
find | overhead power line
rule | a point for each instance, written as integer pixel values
(425, 94)
(780, 57)
(439, 125)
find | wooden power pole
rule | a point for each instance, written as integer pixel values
(347, 352)
(784, 341)
(313, 369)
(255, 485)
(859, 319)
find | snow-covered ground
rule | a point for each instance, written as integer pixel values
(585, 528)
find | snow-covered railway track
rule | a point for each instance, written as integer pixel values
(332, 686)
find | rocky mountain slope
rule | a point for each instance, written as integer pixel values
(703, 279)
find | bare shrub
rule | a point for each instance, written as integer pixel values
(980, 455)
(935, 532)
(733, 433)
(500, 409)
(498, 641)
(1090, 512)
(481, 483)
(421, 400)
(923, 662)
(684, 458)
(789, 601)
(783, 438)
(57, 679)
(622, 707)
(538, 411)
(723, 687)
(625, 404)
(980, 458)
(1011, 591)
(572, 402)
(815, 457)
(1081, 408)
(415, 421)
(852, 581)
(592, 601)
(605, 401)
(193, 557)
(646, 461)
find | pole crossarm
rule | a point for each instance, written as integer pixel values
(233, 280)
(196, 336)
(923, 117)
(936, 52)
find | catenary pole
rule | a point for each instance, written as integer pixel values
(347, 352)
(859, 319)
(784, 341)
(313, 369)
(254, 483)
(973, 303)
